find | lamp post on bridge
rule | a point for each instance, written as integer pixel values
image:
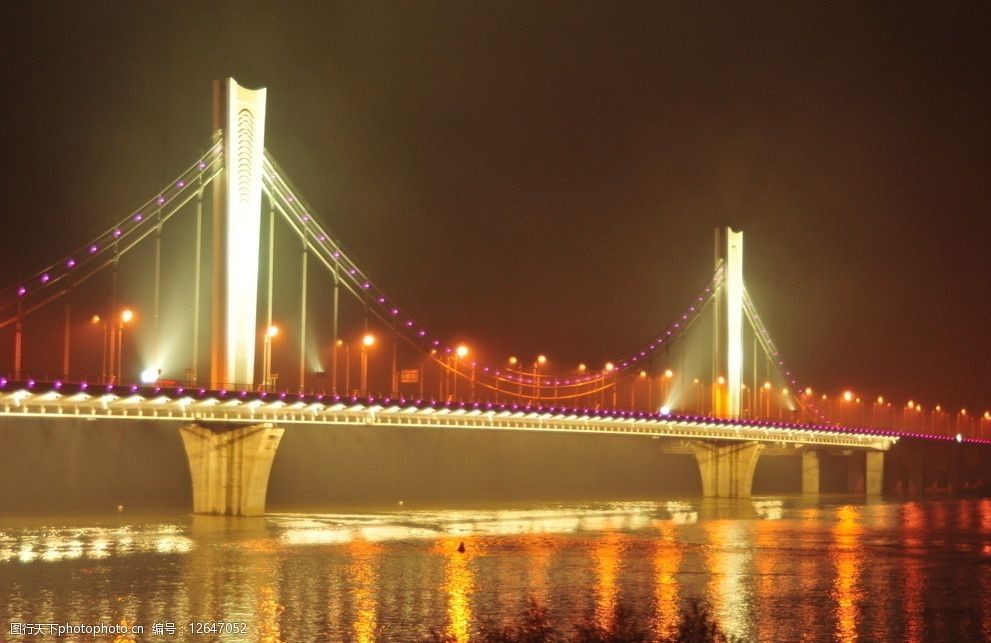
(666, 378)
(96, 320)
(540, 361)
(270, 333)
(366, 343)
(878, 403)
(644, 378)
(765, 401)
(963, 423)
(347, 367)
(126, 316)
(607, 372)
(513, 361)
(581, 372)
(460, 353)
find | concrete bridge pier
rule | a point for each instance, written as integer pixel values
(727, 470)
(230, 466)
(810, 472)
(870, 479)
(874, 473)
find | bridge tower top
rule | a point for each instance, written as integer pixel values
(239, 113)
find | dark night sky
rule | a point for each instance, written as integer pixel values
(547, 177)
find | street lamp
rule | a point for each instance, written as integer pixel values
(347, 366)
(609, 368)
(513, 361)
(879, 402)
(719, 406)
(633, 388)
(126, 317)
(96, 320)
(366, 342)
(270, 332)
(665, 381)
(460, 352)
(540, 361)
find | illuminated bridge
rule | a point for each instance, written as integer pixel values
(200, 368)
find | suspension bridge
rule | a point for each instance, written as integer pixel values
(198, 350)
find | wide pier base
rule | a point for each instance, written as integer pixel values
(727, 470)
(810, 472)
(230, 467)
(874, 474)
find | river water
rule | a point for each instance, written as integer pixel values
(772, 569)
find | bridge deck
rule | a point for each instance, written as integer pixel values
(33, 399)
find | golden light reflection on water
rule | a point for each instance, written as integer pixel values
(769, 533)
(124, 638)
(847, 560)
(809, 571)
(267, 612)
(913, 520)
(53, 545)
(607, 554)
(667, 563)
(727, 560)
(985, 583)
(794, 571)
(363, 574)
(984, 509)
(540, 553)
(459, 584)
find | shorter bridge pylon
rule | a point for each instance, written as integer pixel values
(727, 470)
(230, 467)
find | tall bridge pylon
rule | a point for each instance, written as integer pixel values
(727, 340)
(239, 114)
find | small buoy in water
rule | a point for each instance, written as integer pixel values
(120, 509)
(461, 548)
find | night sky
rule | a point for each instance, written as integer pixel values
(546, 177)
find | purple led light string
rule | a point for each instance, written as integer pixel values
(669, 335)
(55, 272)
